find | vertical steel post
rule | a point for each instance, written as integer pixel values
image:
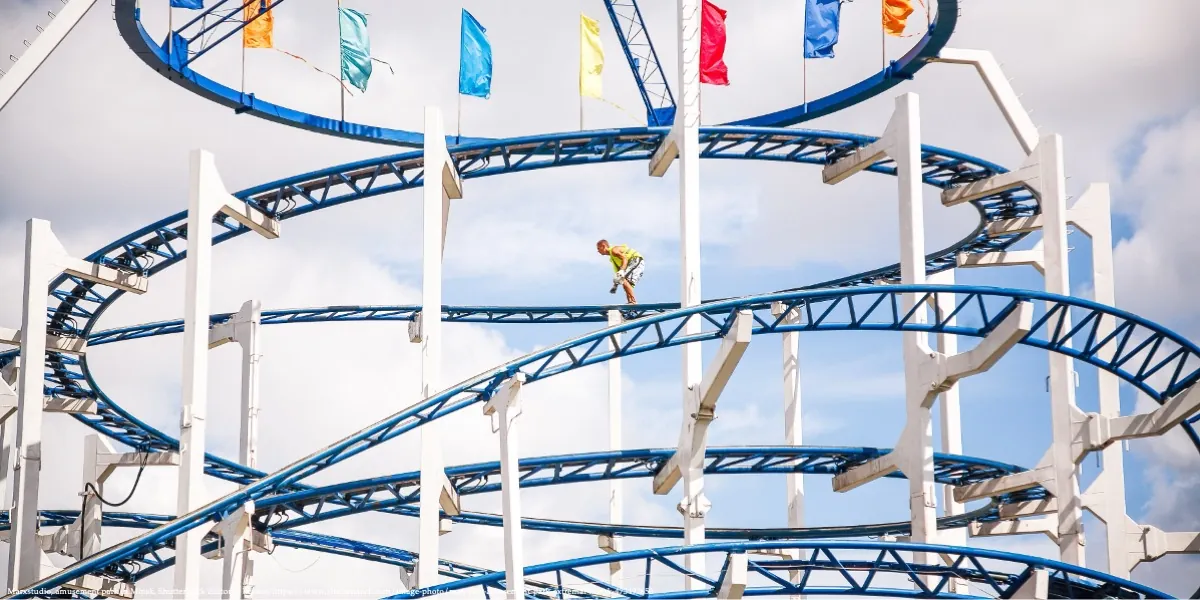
(687, 132)
(1051, 175)
(615, 504)
(24, 554)
(432, 467)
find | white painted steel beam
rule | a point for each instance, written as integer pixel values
(41, 48)
(862, 158)
(66, 345)
(427, 331)
(1005, 258)
(207, 196)
(505, 407)
(72, 406)
(694, 437)
(1024, 176)
(1052, 179)
(733, 581)
(1046, 526)
(612, 544)
(44, 258)
(1042, 475)
(793, 427)
(1147, 543)
(1030, 508)
(694, 505)
(1097, 432)
(665, 154)
(1002, 91)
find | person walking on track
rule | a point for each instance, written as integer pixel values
(628, 265)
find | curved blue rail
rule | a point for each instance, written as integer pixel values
(162, 244)
(859, 564)
(978, 309)
(650, 79)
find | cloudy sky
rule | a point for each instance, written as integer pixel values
(98, 144)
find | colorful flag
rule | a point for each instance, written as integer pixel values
(474, 59)
(821, 22)
(895, 16)
(258, 33)
(591, 58)
(356, 47)
(189, 4)
(712, 45)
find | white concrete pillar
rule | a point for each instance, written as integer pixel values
(435, 211)
(504, 408)
(687, 137)
(203, 202)
(1092, 213)
(93, 509)
(615, 504)
(1052, 179)
(793, 431)
(8, 434)
(24, 554)
(951, 419)
(918, 435)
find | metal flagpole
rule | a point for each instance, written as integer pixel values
(170, 29)
(341, 74)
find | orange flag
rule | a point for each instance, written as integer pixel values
(895, 15)
(257, 33)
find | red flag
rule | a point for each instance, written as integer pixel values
(712, 45)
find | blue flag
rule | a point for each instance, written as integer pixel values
(356, 47)
(190, 4)
(821, 18)
(474, 59)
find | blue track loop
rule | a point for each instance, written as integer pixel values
(978, 309)
(859, 569)
(648, 75)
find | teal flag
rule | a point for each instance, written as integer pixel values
(356, 48)
(474, 59)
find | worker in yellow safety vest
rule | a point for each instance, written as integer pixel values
(628, 265)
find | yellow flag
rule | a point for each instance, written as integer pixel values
(257, 34)
(895, 15)
(591, 57)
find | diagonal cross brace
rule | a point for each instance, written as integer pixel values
(941, 372)
(733, 346)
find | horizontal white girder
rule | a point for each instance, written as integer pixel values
(1017, 225)
(250, 216)
(1004, 485)
(1047, 526)
(864, 157)
(1025, 176)
(1029, 508)
(665, 154)
(73, 406)
(89, 271)
(1005, 258)
(865, 473)
(54, 343)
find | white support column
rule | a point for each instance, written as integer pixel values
(44, 258)
(1052, 180)
(8, 433)
(615, 503)
(1092, 215)
(41, 47)
(733, 582)
(793, 430)
(440, 186)
(238, 558)
(207, 196)
(685, 141)
(951, 419)
(504, 408)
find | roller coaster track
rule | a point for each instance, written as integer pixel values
(1151, 358)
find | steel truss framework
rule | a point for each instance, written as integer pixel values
(1151, 358)
(830, 568)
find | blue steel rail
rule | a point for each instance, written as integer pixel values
(162, 244)
(631, 32)
(281, 515)
(979, 311)
(827, 568)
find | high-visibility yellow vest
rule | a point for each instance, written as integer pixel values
(629, 253)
